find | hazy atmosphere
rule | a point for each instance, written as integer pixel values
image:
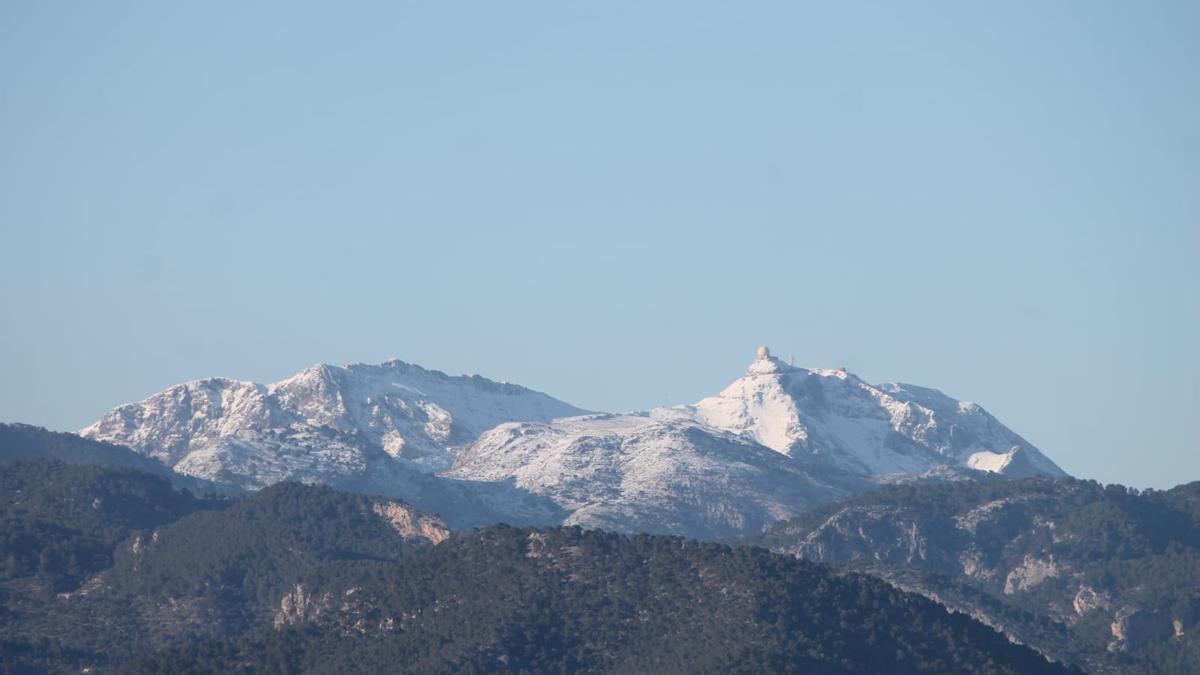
(614, 204)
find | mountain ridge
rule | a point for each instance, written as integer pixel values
(412, 413)
(777, 441)
(837, 416)
(1102, 576)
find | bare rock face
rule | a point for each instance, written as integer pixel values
(299, 605)
(410, 523)
(1087, 599)
(351, 611)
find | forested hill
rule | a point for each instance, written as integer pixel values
(507, 599)
(101, 564)
(62, 523)
(1103, 576)
(308, 579)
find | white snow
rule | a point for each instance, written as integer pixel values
(881, 430)
(775, 441)
(207, 427)
(639, 473)
(989, 461)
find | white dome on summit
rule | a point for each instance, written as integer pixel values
(764, 353)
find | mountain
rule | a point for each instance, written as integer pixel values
(834, 417)
(324, 421)
(1104, 577)
(775, 442)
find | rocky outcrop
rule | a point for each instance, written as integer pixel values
(410, 523)
(299, 605)
(1088, 599)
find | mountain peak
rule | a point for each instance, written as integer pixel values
(422, 416)
(834, 417)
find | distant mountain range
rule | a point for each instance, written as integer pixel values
(775, 442)
(925, 493)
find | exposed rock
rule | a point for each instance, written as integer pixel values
(1030, 573)
(1088, 599)
(298, 606)
(410, 523)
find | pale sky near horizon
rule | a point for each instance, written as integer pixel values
(614, 203)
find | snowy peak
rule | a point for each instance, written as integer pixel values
(775, 441)
(209, 407)
(421, 416)
(837, 418)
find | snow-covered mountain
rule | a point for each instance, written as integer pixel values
(776, 441)
(836, 418)
(324, 422)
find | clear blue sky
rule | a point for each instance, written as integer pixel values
(614, 203)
